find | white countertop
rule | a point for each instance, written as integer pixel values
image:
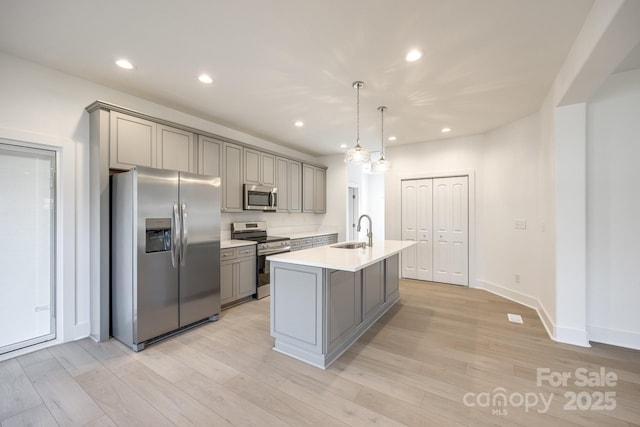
(306, 234)
(343, 259)
(228, 244)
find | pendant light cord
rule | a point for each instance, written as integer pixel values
(358, 114)
(382, 130)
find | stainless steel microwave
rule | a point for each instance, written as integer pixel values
(260, 198)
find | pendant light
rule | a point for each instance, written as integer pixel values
(357, 154)
(381, 165)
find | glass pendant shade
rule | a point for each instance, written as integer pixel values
(357, 154)
(381, 165)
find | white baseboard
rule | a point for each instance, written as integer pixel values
(564, 335)
(572, 336)
(616, 337)
(82, 330)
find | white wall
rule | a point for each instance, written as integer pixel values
(337, 195)
(510, 191)
(51, 105)
(613, 211)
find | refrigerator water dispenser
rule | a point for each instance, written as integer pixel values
(158, 234)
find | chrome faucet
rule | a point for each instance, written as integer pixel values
(369, 232)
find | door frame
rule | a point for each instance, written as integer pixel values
(72, 319)
(356, 189)
(16, 148)
(471, 178)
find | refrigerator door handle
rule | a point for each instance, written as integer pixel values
(185, 236)
(175, 238)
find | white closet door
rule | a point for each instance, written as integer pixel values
(409, 228)
(27, 266)
(424, 220)
(451, 227)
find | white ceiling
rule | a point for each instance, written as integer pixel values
(485, 62)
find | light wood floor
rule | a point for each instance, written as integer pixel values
(439, 344)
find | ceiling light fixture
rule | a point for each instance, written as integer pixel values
(413, 55)
(123, 63)
(445, 130)
(204, 78)
(298, 124)
(381, 165)
(343, 145)
(392, 138)
(357, 154)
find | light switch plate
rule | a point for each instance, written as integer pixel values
(520, 224)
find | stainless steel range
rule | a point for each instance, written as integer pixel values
(267, 245)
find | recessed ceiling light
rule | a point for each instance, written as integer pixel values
(392, 138)
(413, 55)
(445, 130)
(204, 78)
(343, 145)
(298, 123)
(123, 63)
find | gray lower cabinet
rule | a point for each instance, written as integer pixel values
(373, 294)
(392, 277)
(300, 244)
(313, 242)
(237, 273)
(317, 313)
(327, 239)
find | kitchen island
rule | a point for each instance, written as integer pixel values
(323, 299)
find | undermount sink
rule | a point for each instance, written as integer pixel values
(350, 245)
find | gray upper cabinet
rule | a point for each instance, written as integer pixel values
(132, 142)
(295, 186)
(209, 156)
(308, 187)
(251, 166)
(320, 192)
(289, 184)
(282, 183)
(176, 149)
(135, 141)
(314, 191)
(232, 174)
(139, 142)
(259, 167)
(268, 169)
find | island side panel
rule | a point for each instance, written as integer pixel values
(297, 310)
(344, 312)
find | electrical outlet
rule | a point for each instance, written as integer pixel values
(516, 278)
(520, 224)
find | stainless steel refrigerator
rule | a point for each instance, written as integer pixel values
(165, 253)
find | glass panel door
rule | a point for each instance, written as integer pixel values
(27, 246)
